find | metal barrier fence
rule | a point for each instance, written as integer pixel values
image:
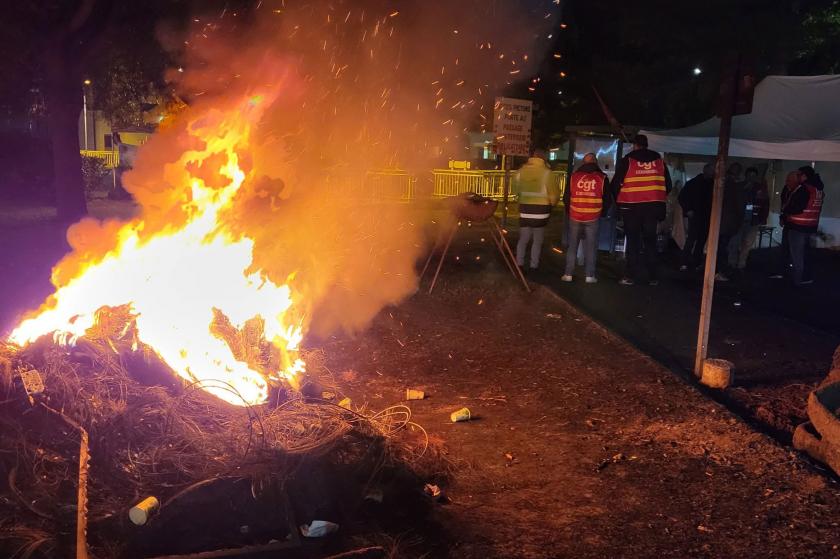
(559, 178)
(451, 182)
(390, 184)
(111, 158)
(490, 184)
(396, 184)
(381, 184)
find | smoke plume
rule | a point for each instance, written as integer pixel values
(347, 89)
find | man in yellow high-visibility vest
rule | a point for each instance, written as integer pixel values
(537, 194)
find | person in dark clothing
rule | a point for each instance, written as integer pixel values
(783, 263)
(732, 212)
(640, 187)
(800, 216)
(696, 202)
(756, 210)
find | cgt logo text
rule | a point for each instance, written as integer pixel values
(586, 185)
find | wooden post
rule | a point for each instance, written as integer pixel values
(505, 191)
(82, 497)
(510, 254)
(728, 96)
(443, 256)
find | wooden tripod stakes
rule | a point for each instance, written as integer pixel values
(501, 244)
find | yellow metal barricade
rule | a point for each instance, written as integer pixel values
(390, 184)
(452, 182)
(397, 184)
(110, 158)
(559, 178)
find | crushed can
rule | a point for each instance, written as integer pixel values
(140, 513)
(460, 415)
(411, 394)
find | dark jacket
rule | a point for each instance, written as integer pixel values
(794, 203)
(734, 205)
(607, 198)
(644, 155)
(696, 196)
(758, 195)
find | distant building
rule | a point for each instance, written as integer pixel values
(482, 154)
(96, 136)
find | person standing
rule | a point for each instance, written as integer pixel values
(640, 186)
(783, 261)
(801, 217)
(537, 194)
(732, 214)
(696, 202)
(756, 211)
(586, 200)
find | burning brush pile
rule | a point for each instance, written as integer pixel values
(178, 443)
(168, 364)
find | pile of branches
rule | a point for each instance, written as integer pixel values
(151, 434)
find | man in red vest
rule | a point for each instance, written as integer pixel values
(640, 186)
(586, 200)
(800, 218)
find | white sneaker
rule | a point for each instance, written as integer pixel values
(721, 277)
(566, 277)
(591, 279)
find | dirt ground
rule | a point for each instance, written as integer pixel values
(780, 339)
(580, 445)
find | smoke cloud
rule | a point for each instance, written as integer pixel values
(346, 88)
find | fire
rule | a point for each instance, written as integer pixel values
(177, 281)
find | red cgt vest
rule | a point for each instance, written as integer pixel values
(586, 196)
(810, 216)
(644, 182)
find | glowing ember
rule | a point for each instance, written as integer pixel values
(176, 281)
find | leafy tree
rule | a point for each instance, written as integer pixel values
(821, 40)
(641, 55)
(48, 48)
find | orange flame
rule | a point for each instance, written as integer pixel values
(175, 280)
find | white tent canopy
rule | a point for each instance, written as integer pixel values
(794, 118)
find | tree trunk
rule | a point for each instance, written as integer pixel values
(64, 104)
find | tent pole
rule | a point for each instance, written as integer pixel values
(729, 91)
(505, 190)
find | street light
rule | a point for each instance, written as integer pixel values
(697, 71)
(84, 111)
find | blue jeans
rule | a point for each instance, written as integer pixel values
(588, 231)
(799, 244)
